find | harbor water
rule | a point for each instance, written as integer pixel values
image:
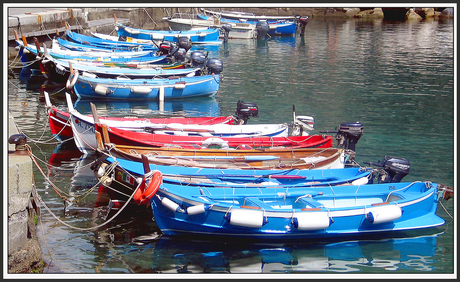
(395, 78)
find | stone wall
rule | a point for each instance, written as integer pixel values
(24, 251)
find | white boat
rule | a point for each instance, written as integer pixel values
(84, 136)
(181, 21)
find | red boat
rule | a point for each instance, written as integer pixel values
(125, 137)
(61, 127)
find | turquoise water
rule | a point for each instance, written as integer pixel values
(396, 78)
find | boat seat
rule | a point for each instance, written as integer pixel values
(257, 202)
(311, 202)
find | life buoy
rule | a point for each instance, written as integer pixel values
(138, 194)
(143, 196)
(71, 80)
(215, 141)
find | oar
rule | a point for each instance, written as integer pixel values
(245, 158)
(220, 176)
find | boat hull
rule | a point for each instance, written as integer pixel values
(172, 88)
(238, 31)
(259, 144)
(417, 212)
(204, 36)
(125, 176)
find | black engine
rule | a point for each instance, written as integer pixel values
(214, 66)
(348, 134)
(245, 110)
(393, 169)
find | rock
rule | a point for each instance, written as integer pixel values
(447, 13)
(413, 16)
(376, 13)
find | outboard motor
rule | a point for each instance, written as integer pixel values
(179, 54)
(393, 169)
(214, 66)
(262, 28)
(225, 29)
(198, 59)
(302, 125)
(348, 134)
(303, 21)
(245, 110)
(184, 42)
(166, 47)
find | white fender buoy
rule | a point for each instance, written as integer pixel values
(215, 141)
(102, 90)
(311, 220)
(170, 204)
(382, 214)
(246, 217)
(197, 209)
(141, 89)
(360, 181)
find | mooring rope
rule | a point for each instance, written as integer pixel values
(109, 169)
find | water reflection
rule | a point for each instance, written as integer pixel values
(395, 78)
(411, 254)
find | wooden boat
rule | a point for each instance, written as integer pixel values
(179, 21)
(243, 159)
(86, 141)
(124, 137)
(277, 25)
(71, 45)
(28, 54)
(197, 36)
(101, 42)
(61, 128)
(59, 70)
(288, 214)
(158, 88)
(236, 15)
(145, 57)
(123, 177)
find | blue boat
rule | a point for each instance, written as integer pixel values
(287, 214)
(101, 48)
(59, 70)
(28, 54)
(125, 176)
(158, 88)
(197, 36)
(100, 42)
(278, 25)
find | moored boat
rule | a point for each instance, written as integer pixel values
(277, 25)
(123, 137)
(179, 21)
(59, 70)
(197, 36)
(109, 42)
(124, 177)
(60, 123)
(83, 128)
(157, 88)
(295, 214)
